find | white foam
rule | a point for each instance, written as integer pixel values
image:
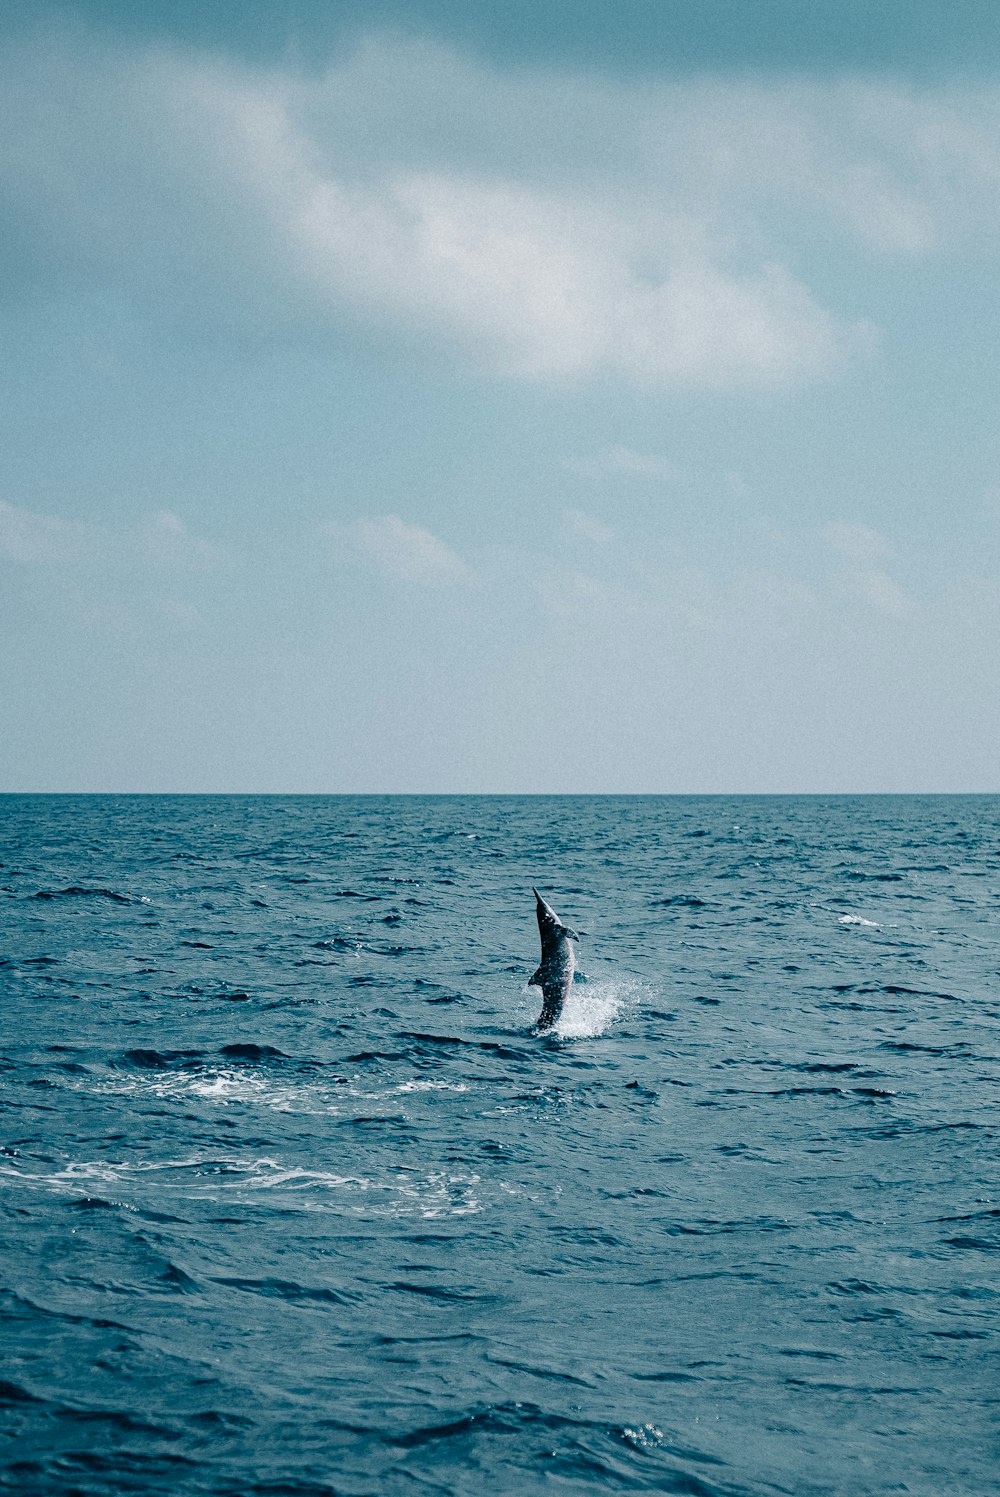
(421, 1086)
(858, 920)
(593, 1007)
(435, 1194)
(226, 1086)
(220, 1085)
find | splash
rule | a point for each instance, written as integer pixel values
(593, 1007)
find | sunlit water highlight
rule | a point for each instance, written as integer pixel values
(292, 1201)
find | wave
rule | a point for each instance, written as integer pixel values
(80, 891)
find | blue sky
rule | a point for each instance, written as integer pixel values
(517, 398)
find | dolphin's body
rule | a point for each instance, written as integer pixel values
(555, 975)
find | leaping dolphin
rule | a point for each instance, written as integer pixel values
(555, 975)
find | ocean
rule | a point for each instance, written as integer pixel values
(294, 1204)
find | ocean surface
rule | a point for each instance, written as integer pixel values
(294, 1204)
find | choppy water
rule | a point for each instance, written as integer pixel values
(293, 1204)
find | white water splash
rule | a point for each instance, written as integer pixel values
(858, 920)
(592, 1007)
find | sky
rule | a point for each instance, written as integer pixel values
(435, 397)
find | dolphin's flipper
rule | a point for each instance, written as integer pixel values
(535, 980)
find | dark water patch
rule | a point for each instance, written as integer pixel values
(820, 1067)
(992, 1213)
(450, 1296)
(177, 1280)
(898, 989)
(365, 1056)
(397, 1120)
(220, 1419)
(669, 1375)
(423, 1039)
(155, 1060)
(807, 1091)
(707, 1227)
(286, 1290)
(14, 1393)
(911, 1047)
(963, 1334)
(545, 1374)
(248, 1051)
(79, 891)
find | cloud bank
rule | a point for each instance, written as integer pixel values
(546, 227)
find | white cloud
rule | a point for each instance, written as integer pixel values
(670, 232)
(167, 541)
(160, 540)
(31, 537)
(410, 553)
(551, 284)
(625, 460)
(587, 528)
(410, 187)
(884, 593)
(861, 549)
(855, 543)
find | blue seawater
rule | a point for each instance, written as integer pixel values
(294, 1204)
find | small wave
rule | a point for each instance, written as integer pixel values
(858, 920)
(79, 891)
(155, 1060)
(252, 1052)
(286, 1289)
